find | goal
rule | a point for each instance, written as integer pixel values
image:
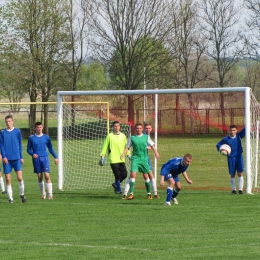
(173, 112)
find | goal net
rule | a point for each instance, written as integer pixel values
(84, 128)
(174, 114)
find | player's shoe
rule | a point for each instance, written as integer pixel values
(175, 201)
(167, 203)
(4, 192)
(149, 197)
(51, 197)
(44, 196)
(233, 192)
(118, 192)
(23, 199)
(240, 192)
(124, 197)
(156, 196)
(114, 187)
(10, 201)
(130, 197)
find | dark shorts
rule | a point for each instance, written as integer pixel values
(235, 164)
(12, 164)
(41, 164)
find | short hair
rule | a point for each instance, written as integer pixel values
(116, 122)
(187, 156)
(9, 116)
(147, 124)
(138, 124)
(232, 126)
(37, 124)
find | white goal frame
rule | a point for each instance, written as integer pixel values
(245, 90)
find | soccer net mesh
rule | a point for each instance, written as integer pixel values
(84, 128)
(174, 116)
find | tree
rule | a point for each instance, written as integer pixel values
(219, 25)
(121, 28)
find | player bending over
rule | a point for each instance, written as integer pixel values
(170, 172)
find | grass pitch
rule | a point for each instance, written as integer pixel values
(98, 224)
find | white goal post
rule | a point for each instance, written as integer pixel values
(251, 155)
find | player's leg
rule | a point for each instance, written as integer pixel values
(132, 185)
(240, 169)
(232, 172)
(153, 184)
(147, 185)
(116, 169)
(169, 190)
(2, 184)
(127, 187)
(17, 165)
(176, 190)
(37, 167)
(9, 189)
(48, 185)
(45, 164)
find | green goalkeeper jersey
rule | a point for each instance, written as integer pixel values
(115, 145)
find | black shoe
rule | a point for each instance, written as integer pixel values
(240, 192)
(233, 192)
(23, 199)
(4, 192)
(115, 187)
(118, 192)
(10, 201)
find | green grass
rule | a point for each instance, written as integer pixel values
(97, 224)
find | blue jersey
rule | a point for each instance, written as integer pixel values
(40, 145)
(235, 143)
(11, 144)
(174, 167)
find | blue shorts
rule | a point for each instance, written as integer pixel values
(12, 164)
(150, 164)
(235, 164)
(169, 176)
(41, 164)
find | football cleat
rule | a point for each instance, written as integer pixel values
(149, 197)
(175, 201)
(130, 197)
(4, 192)
(23, 199)
(124, 197)
(233, 192)
(50, 197)
(240, 192)
(44, 196)
(10, 201)
(167, 203)
(156, 196)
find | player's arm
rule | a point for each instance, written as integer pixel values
(51, 150)
(29, 147)
(20, 146)
(219, 144)
(162, 180)
(105, 146)
(126, 150)
(152, 145)
(185, 175)
(242, 133)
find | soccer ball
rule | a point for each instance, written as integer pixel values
(225, 149)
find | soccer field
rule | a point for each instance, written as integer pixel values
(98, 224)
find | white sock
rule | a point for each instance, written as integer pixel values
(240, 183)
(9, 192)
(21, 188)
(154, 186)
(49, 188)
(2, 184)
(127, 186)
(233, 183)
(42, 188)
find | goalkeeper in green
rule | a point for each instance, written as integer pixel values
(139, 141)
(115, 144)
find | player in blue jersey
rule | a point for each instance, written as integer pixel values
(170, 172)
(235, 158)
(38, 146)
(11, 148)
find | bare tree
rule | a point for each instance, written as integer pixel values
(188, 47)
(219, 25)
(126, 32)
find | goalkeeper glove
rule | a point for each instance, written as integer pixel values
(102, 161)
